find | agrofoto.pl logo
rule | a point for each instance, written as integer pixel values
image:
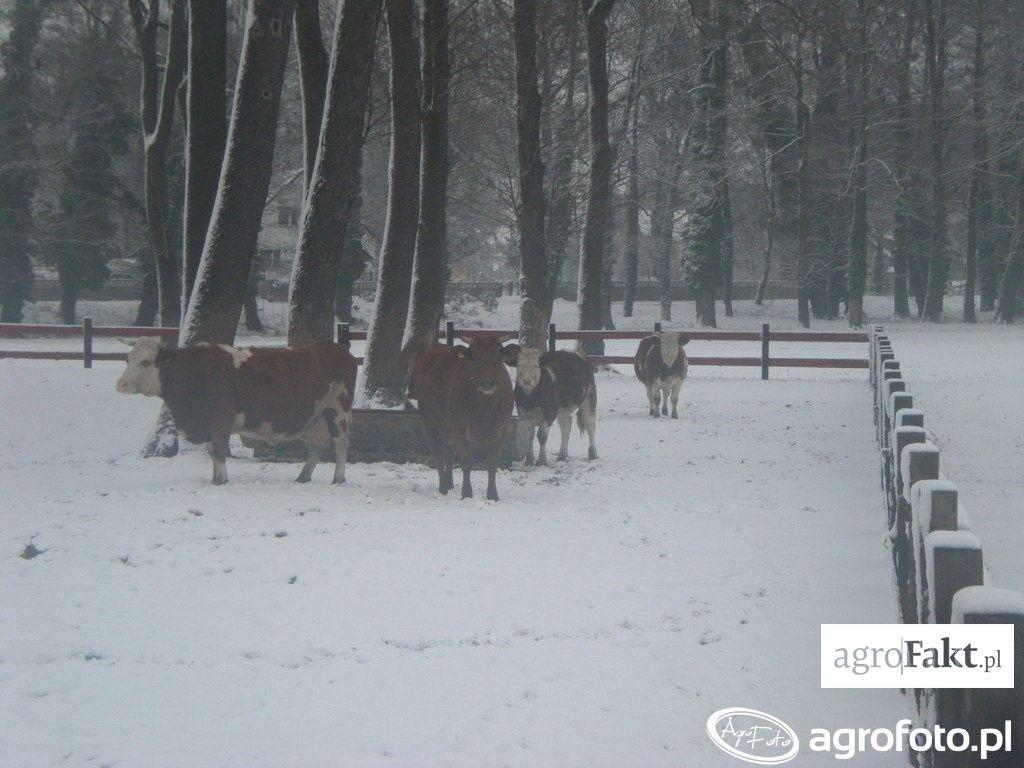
(753, 736)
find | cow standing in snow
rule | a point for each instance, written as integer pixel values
(464, 396)
(270, 394)
(660, 363)
(551, 386)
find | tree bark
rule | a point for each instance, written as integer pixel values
(803, 196)
(632, 213)
(979, 202)
(149, 300)
(206, 127)
(903, 148)
(158, 104)
(430, 270)
(728, 249)
(857, 268)
(335, 180)
(313, 63)
(221, 281)
(384, 377)
(935, 61)
(18, 180)
(252, 295)
(1013, 275)
(533, 315)
(599, 191)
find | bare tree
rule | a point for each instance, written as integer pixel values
(384, 377)
(935, 35)
(857, 269)
(903, 140)
(158, 105)
(979, 200)
(313, 62)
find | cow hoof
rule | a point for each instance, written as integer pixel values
(562, 457)
(493, 497)
(219, 481)
(542, 462)
(338, 481)
(303, 479)
(529, 461)
(467, 494)
(675, 415)
(664, 411)
(591, 454)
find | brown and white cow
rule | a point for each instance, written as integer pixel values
(271, 394)
(552, 386)
(660, 364)
(464, 396)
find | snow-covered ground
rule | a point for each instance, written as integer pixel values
(595, 616)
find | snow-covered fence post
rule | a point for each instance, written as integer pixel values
(765, 339)
(87, 341)
(909, 417)
(897, 400)
(876, 332)
(892, 383)
(933, 508)
(918, 461)
(901, 437)
(449, 333)
(994, 707)
(551, 337)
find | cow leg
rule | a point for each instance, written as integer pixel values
(564, 417)
(466, 460)
(588, 420)
(340, 452)
(542, 442)
(312, 459)
(219, 454)
(442, 460)
(664, 400)
(675, 397)
(652, 400)
(492, 472)
(449, 481)
(527, 434)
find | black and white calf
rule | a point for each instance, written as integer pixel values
(660, 364)
(551, 386)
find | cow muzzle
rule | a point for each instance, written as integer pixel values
(487, 387)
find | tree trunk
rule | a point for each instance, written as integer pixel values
(533, 265)
(68, 299)
(252, 295)
(728, 249)
(857, 269)
(206, 126)
(335, 180)
(979, 203)
(313, 63)
(560, 210)
(430, 270)
(903, 148)
(149, 301)
(803, 197)
(599, 190)
(383, 374)
(935, 60)
(18, 180)
(223, 275)
(666, 212)
(1013, 275)
(632, 249)
(158, 104)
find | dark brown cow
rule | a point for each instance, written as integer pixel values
(464, 395)
(550, 386)
(660, 363)
(273, 394)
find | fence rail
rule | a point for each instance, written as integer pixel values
(938, 563)
(87, 331)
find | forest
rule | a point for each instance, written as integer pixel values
(820, 149)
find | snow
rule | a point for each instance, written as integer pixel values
(907, 457)
(596, 616)
(986, 600)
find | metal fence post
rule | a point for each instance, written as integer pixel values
(657, 327)
(765, 339)
(344, 336)
(551, 337)
(449, 333)
(87, 341)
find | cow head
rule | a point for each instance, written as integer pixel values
(484, 361)
(526, 361)
(141, 377)
(670, 343)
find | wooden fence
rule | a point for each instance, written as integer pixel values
(938, 564)
(87, 331)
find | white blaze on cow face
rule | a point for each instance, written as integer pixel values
(669, 346)
(528, 369)
(141, 377)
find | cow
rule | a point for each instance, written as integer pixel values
(551, 386)
(271, 394)
(660, 364)
(464, 396)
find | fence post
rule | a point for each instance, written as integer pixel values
(657, 327)
(343, 333)
(765, 338)
(954, 561)
(933, 508)
(919, 461)
(449, 333)
(900, 438)
(87, 341)
(551, 337)
(993, 707)
(909, 417)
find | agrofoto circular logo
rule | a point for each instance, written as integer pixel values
(753, 736)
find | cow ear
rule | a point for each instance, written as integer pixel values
(462, 351)
(511, 353)
(126, 342)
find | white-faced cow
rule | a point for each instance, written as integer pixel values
(552, 386)
(660, 364)
(270, 394)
